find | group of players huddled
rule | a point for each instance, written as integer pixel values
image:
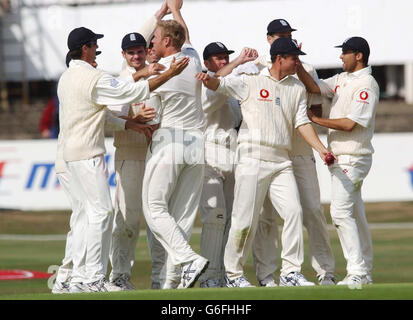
(231, 140)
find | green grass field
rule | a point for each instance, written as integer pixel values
(392, 273)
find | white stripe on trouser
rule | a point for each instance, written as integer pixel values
(254, 179)
(128, 211)
(216, 207)
(89, 182)
(76, 232)
(321, 255)
(348, 214)
(172, 188)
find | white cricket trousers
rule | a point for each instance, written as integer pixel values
(254, 179)
(216, 207)
(89, 183)
(77, 225)
(128, 213)
(348, 213)
(320, 253)
(172, 187)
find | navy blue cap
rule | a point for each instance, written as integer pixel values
(358, 44)
(215, 48)
(279, 25)
(285, 46)
(80, 36)
(133, 39)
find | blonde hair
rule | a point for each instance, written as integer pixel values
(173, 30)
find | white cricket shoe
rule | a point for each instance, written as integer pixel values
(326, 280)
(77, 287)
(121, 283)
(191, 272)
(101, 285)
(60, 287)
(353, 280)
(268, 282)
(295, 279)
(240, 282)
(369, 279)
(210, 283)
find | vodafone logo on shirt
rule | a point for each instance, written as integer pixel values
(363, 96)
(264, 94)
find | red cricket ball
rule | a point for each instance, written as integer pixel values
(329, 159)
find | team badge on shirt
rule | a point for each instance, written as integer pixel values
(114, 83)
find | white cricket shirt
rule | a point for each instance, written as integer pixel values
(355, 96)
(180, 97)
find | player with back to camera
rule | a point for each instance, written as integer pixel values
(174, 164)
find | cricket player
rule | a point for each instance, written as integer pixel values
(303, 162)
(64, 273)
(222, 115)
(354, 94)
(130, 154)
(83, 93)
(174, 165)
(272, 105)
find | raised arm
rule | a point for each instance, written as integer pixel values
(175, 7)
(310, 85)
(246, 55)
(148, 28)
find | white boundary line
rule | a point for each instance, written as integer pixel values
(62, 237)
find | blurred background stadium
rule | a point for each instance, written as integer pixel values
(33, 47)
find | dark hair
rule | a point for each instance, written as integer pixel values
(274, 57)
(365, 58)
(77, 53)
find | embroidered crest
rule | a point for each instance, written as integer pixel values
(114, 83)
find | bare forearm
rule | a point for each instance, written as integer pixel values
(176, 13)
(156, 82)
(311, 137)
(227, 69)
(310, 85)
(343, 124)
(213, 83)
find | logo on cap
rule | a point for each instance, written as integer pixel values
(220, 45)
(284, 23)
(132, 37)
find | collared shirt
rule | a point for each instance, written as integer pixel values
(365, 96)
(112, 91)
(354, 96)
(237, 87)
(180, 97)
